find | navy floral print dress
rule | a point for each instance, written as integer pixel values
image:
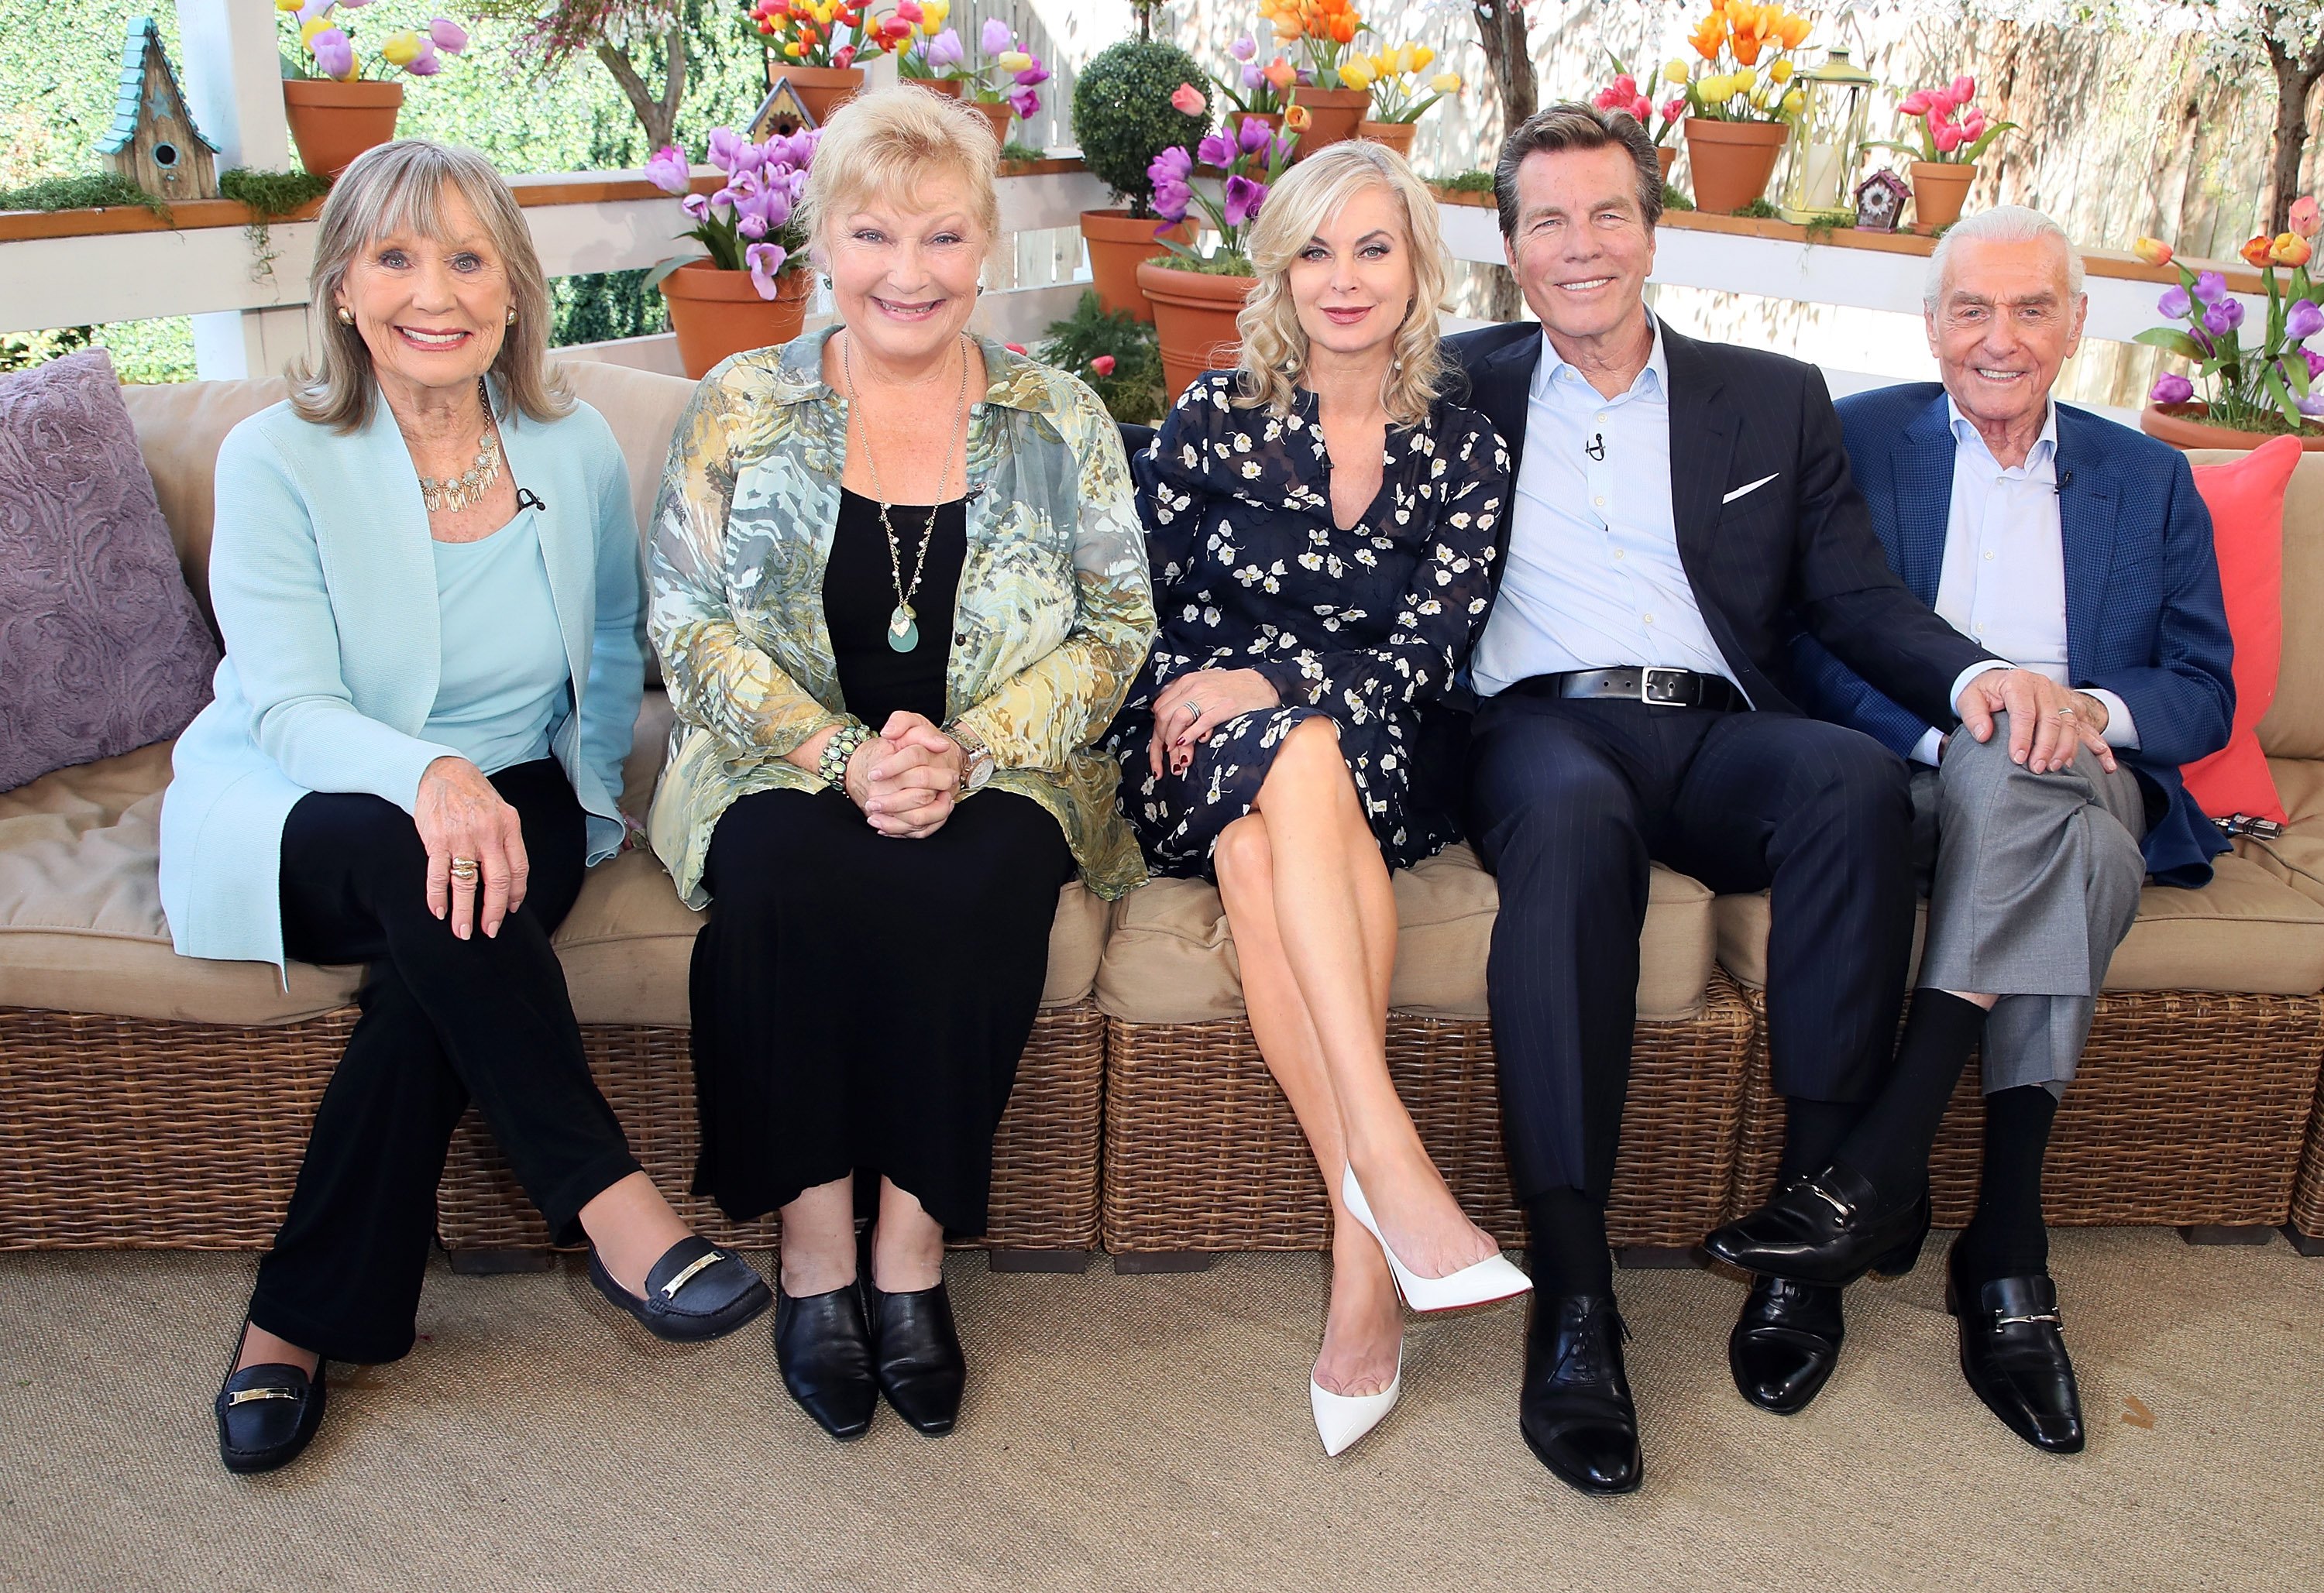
(1363, 626)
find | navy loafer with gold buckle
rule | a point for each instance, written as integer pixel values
(696, 1292)
(266, 1414)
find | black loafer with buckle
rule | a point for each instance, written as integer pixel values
(266, 1414)
(696, 1292)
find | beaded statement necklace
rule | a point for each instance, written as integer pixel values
(903, 620)
(470, 486)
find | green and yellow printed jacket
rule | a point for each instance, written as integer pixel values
(1053, 617)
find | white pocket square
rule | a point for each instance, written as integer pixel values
(1749, 487)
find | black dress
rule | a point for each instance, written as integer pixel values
(1364, 626)
(859, 1002)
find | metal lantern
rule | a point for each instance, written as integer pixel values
(1826, 136)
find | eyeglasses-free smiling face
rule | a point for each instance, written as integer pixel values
(1352, 282)
(432, 310)
(1582, 248)
(903, 277)
(2005, 325)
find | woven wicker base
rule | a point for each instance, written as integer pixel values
(2190, 1109)
(2306, 1226)
(1202, 1153)
(130, 1133)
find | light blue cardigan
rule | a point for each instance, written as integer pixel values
(324, 582)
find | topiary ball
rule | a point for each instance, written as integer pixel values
(1123, 117)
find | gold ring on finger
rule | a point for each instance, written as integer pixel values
(464, 869)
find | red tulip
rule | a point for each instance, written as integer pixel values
(1016, 348)
(2255, 251)
(1101, 365)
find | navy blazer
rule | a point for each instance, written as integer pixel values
(2143, 615)
(1793, 549)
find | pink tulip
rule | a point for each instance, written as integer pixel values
(451, 37)
(667, 170)
(2305, 219)
(1625, 85)
(1642, 108)
(1964, 89)
(1948, 138)
(765, 259)
(1187, 101)
(1017, 349)
(1101, 365)
(1605, 99)
(1915, 104)
(1974, 124)
(334, 52)
(426, 63)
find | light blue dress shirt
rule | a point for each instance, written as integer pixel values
(2003, 583)
(1593, 579)
(503, 680)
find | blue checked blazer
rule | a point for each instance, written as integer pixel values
(2143, 615)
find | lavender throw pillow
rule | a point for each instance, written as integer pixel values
(102, 649)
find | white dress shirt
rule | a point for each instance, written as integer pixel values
(1593, 579)
(2004, 580)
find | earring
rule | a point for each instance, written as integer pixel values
(511, 315)
(346, 317)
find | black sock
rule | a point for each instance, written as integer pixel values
(1570, 1255)
(2006, 1239)
(1890, 1147)
(1812, 1130)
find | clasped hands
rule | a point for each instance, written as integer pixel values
(1194, 705)
(906, 778)
(2049, 723)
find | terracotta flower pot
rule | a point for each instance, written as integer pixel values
(1193, 319)
(1397, 135)
(1731, 160)
(1335, 114)
(1118, 241)
(1939, 189)
(1000, 112)
(821, 89)
(2188, 425)
(1665, 157)
(333, 123)
(948, 87)
(717, 313)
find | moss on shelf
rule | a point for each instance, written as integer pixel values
(93, 191)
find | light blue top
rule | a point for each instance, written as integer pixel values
(324, 584)
(503, 679)
(1593, 579)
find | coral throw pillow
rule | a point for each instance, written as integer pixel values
(102, 649)
(2246, 503)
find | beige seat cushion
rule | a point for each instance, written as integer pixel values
(2296, 857)
(1170, 959)
(2245, 933)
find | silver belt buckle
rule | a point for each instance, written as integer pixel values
(1671, 693)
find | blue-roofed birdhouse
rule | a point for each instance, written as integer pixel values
(153, 141)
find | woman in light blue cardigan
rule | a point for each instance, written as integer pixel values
(426, 569)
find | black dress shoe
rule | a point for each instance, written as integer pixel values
(697, 1291)
(1827, 1230)
(825, 1352)
(1575, 1409)
(266, 1414)
(2013, 1351)
(1785, 1344)
(916, 1354)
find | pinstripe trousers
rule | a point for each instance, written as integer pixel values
(1568, 803)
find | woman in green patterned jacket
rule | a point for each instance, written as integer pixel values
(898, 589)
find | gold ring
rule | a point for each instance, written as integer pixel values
(464, 869)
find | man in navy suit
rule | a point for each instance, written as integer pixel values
(2077, 548)
(1681, 508)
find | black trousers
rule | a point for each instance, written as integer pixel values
(1569, 800)
(443, 1019)
(860, 1003)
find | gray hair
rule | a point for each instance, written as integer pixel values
(401, 187)
(2004, 224)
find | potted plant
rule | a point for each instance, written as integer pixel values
(750, 288)
(1116, 354)
(1197, 295)
(1738, 108)
(1396, 105)
(1626, 92)
(815, 44)
(1126, 111)
(2274, 385)
(1002, 83)
(1953, 134)
(1325, 32)
(1253, 90)
(335, 111)
(932, 57)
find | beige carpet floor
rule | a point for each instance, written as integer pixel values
(1152, 1433)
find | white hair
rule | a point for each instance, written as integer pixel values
(2004, 224)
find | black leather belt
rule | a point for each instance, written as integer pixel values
(1653, 685)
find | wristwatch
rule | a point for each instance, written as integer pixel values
(976, 758)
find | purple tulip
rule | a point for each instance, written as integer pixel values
(2171, 388)
(776, 204)
(1173, 164)
(2223, 318)
(996, 37)
(451, 37)
(1244, 48)
(1252, 78)
(1026, 101)
(697, 208)
(2210, 287)
(1036, 73)
(2312, 406)
(2315, 363)
(1284, 145)
(1244, 197)
(750, 224)
(1253, 135)
(1215, 150)
(944, 49)
(425, 64)
(667, 170)
(2174, 304)
(333, 51)
(2303, 321)
(764, 261)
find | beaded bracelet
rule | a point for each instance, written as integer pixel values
(833, 765)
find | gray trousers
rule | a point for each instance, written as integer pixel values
(2032, 880)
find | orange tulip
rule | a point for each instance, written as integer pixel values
(2256, 251)
(1297, 117)
(1343, 30)
(1281, 73)
(1795, 31)
(1709, 34)
(1747, 48)
(2290, 248)
(2154, 251)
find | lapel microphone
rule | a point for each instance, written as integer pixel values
(2065, 480)
(1596, 446)
(527, 499)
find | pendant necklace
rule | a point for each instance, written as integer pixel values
(903, 622)
(457, 492)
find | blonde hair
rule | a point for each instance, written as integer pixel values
(401, 187)
(890, 146)
(1274, 347)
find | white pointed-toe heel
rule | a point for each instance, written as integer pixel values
(1488, 1280)
(1341, 1419)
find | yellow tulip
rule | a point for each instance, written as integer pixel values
(312, 26)
(1674, 71)
(1012, 61)
(1357, 72)
(1781, 72)
(1445, 82)
(1744, 81)
(402, 49)
(934, 13)
(289, 4)
(1794, 102)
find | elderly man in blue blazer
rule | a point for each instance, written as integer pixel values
(2069, 545)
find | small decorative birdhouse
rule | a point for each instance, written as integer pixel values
(153, 141)
(781, 113)
(1879, 201)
